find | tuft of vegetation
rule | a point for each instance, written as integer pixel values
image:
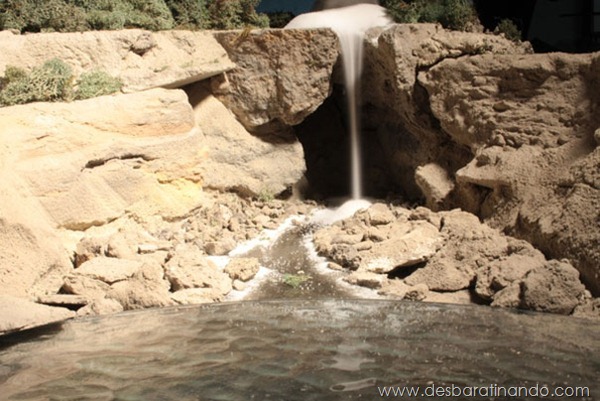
(83, 15)
(188, 14)
(49, 83)
(295, 280)
(452, 14)
(265, 196)
(510, 30)
(97, 83)
(41, 16)
(233, 14)
(53, 82)
(118, 14)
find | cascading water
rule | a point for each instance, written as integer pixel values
(350, 24)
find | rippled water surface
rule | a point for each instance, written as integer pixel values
(301, 350)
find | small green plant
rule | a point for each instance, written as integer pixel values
(509, 29)
(265, 196)
(97, 83)
(295, 280)
(188, 14)
(235, 14)
(53, 82)
(48, 83)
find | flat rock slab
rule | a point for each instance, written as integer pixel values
(18, 314)
(142, 59)
(109, 270)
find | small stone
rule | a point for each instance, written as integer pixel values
(195, 296)
(334, 266)
(242, 269)
(380, 214)
(462, 297)
(63, 300)
(501, 107)
(147, 248)
(509, 297)
(394, 288)
(87, 287)
(597, 136)
(364, 246)
(417, 293)
(435, 183)
(101, 306)
(239, 285)
(365, 279)
(108, 270)
(555, 288)
(376, 235)
(219, 248)
(349, 239)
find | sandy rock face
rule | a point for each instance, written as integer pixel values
(282, 76)
(87, 168)
(237, 160)
(142, 59)
(530, 122)
(511, 134)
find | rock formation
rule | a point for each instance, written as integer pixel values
(511, 133)
(132, 200)
(141, 59)
(422, 255)
(77, 173)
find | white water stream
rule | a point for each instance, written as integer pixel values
(350, 24)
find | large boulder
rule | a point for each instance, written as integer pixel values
(87, 168)
(142, 59)
(282, 76)
(237, 160)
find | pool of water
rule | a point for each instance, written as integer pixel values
(297, 350)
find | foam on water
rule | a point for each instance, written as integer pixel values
(350, 24)
(327, 217)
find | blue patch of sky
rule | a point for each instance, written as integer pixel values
(294, 6)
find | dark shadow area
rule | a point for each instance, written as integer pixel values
(404, 272)
(36, 334)
(571, 26)
(326, 141)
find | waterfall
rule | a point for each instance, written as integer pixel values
(350, 24)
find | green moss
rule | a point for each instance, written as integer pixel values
(97, 83)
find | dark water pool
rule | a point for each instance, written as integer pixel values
(303, 350)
